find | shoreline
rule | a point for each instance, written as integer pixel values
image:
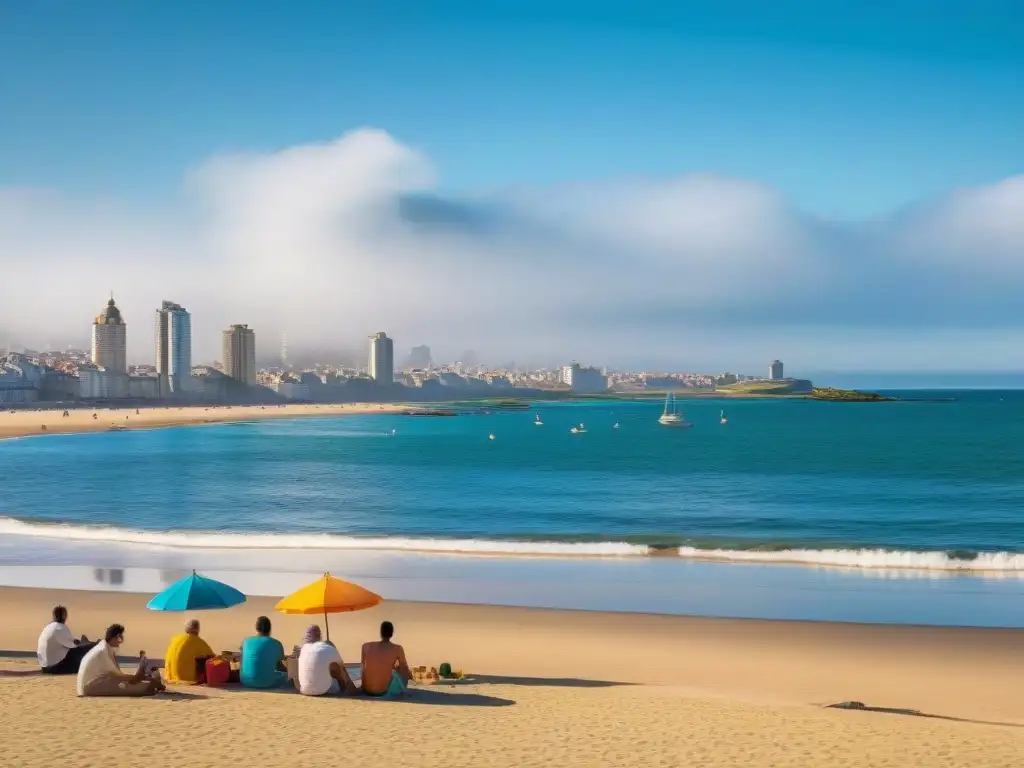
(20, 423)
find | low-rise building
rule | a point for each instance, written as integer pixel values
(96, 383)
(144, 387)
(20, 381)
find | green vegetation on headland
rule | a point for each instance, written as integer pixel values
(769, 387)
(847, 395)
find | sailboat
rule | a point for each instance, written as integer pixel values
(538, 422)
(722, 419)
(672, 417)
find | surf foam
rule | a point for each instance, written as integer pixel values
(878, 559)
(866, 558)
(319, 541)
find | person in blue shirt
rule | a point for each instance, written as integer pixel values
(263, 664)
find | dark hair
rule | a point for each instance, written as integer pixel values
(60, 614)
(387, 630)
(263, 625)
(113, 631)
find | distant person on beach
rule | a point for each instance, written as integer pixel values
(181, 655)
(101, 675)
(321, 670)
(59, 653)
(263, 664)
(385, 672)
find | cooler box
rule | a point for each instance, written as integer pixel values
(218, 672)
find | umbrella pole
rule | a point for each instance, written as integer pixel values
(327, 627)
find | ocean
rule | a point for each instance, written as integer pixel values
(925, 491)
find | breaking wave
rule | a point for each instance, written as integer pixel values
(864, 558)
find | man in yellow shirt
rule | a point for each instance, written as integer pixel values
(180, 659)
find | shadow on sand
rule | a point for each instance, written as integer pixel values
(540, 682)
(417, 695)
(860, 706)
(170, 695)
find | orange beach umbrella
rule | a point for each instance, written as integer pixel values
(328, 595)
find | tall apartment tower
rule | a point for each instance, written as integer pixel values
(240, 354)
(775, 369)
(381, 364)
(173, 347)
(110, 339)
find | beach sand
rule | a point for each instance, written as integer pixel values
(545, 688)
(19, 422)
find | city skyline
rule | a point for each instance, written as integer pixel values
(697, 189)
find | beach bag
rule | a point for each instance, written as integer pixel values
(218, 672)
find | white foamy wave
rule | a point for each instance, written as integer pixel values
(866, 558)
(320, 541)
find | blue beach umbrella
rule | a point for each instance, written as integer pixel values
(196, 593)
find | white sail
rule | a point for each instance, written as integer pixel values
(671, 417)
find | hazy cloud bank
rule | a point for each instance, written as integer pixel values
(333, 241)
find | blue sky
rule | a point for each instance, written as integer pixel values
(838, 184)
(850, 112)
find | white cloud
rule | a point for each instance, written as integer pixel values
(334, 241)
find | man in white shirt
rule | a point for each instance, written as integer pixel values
(100, 674)
(59, 653)
(321, 670)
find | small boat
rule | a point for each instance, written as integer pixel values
(579, 430)
(671, 417)
(538, 422)
(490, 436)
(722, 419)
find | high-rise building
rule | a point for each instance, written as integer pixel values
(110, 339)
(584, 380)
(381, 365)
(240, 354)
(173, 347)
(775, 370)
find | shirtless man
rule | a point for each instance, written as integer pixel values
(384, 668)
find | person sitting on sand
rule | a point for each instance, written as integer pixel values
(385, 672)
(181, 655)
(100, 674)
(59, 653)
(263, 663)
(321, 670)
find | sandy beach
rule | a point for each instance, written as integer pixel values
(18, 422)
(544, 687)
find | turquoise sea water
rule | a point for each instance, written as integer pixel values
(917, 476)
(930, 486)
